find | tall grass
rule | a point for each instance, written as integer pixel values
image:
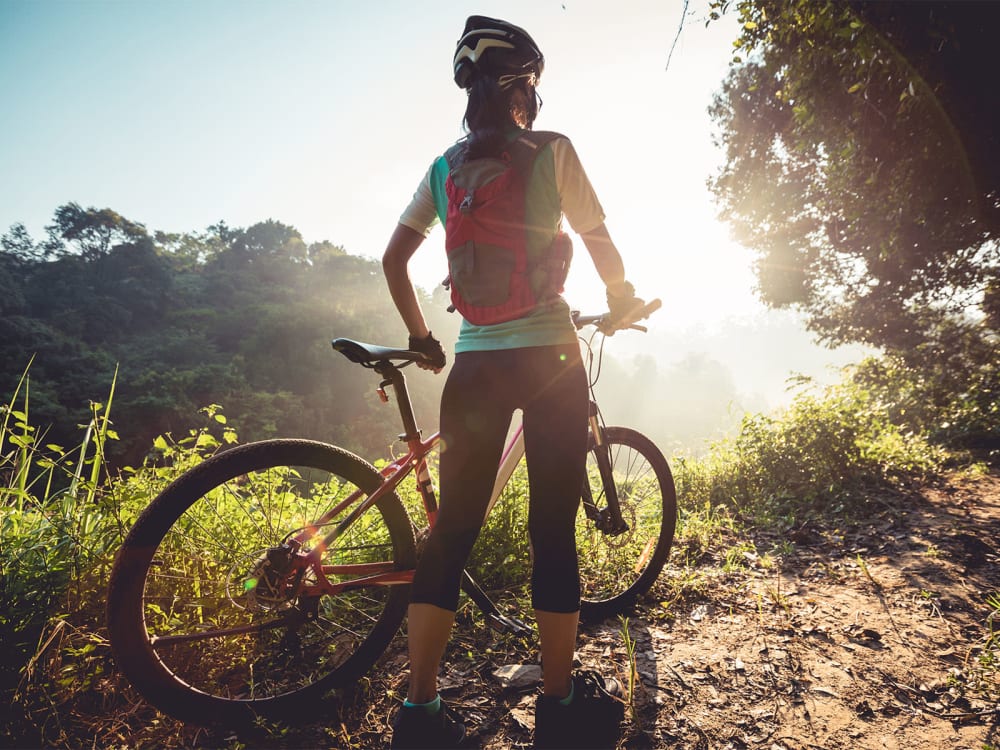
(63, 519)
(54, 527)
(56, 538)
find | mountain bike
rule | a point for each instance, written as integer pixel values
(276, 571)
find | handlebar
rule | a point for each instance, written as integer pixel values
(608, 327)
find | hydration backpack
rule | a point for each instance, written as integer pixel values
(491, 275)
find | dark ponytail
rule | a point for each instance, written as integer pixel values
(488, 118)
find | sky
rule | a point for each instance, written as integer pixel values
(326, 115)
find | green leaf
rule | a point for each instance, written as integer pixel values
(160, 443)
(206, 441)
(855, 87)
(21, 441)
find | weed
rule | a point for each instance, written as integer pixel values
(784, 548)
(863, 565)
(54, 529)
(777, 598)
(740, 556)
(688, 585)
(989, 659)
(633, 672)
(930, 600)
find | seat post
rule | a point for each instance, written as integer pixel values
(398, 382)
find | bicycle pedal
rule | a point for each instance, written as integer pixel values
(504, 624)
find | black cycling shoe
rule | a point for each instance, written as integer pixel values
(415, 729)
(592, 720)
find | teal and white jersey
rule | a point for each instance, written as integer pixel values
(558, 187)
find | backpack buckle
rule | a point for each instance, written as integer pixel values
(466, 205)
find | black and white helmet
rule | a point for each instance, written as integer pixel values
(500, 50)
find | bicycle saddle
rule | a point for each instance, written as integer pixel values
(366, 354)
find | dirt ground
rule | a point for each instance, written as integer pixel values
(862, 637)
(868, 636)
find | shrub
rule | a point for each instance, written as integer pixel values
(826, 453)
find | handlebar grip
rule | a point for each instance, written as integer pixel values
(651, 307)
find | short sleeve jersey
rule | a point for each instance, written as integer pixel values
(558, 187)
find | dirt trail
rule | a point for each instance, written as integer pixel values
(863, 638)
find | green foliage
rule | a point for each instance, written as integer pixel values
(826, 454)
(91, 232)
(232, 315)
(61, 525)
(56, 535)
(633, 671)
(948, 391)
(501, 557)
(861, 166)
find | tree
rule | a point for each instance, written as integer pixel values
(92, 232)
(268, 240)
(18, 244)
(863, 165)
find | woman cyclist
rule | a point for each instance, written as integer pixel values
(530, 362)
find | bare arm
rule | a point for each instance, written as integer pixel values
(607, 259)
(403, 243)
(395, 264)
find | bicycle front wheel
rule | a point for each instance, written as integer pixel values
(617, 567)
(226, 602)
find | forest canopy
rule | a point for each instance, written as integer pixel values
(863, 167)
(230, 316)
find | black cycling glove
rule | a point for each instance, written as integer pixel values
(430, 347)
(624, 305)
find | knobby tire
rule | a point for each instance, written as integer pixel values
(192, 565)
(616, 569)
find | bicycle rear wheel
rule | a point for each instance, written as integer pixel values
(616, 569)
(214, 616)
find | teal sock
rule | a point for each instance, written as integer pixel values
(569, 698)
(431, 707)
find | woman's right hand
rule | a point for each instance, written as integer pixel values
(431, 348)
(624, 305)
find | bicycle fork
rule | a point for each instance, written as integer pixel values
(610, 519)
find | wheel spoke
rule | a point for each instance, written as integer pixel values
(614, 568)
(219, 599)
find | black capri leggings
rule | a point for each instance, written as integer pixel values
(549, 384)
